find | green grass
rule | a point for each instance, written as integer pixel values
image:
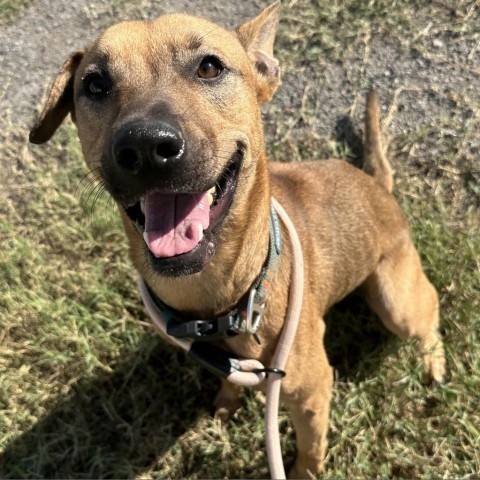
(88, 390)
(10, 10)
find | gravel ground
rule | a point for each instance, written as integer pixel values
(35, 45)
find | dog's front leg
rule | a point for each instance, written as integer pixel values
(228, 400)
(309, 413)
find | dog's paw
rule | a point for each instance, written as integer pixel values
(225, 408)
(306, 466)
(435, 366)
(435, 375)
(225, 413)
(227, 401)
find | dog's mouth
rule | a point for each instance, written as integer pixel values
(180, 229)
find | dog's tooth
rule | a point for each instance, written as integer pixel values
(212, 193)
(142, 205)
(145, 237)
(200, 232)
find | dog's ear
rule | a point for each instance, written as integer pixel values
(59, 102)
(257, 37)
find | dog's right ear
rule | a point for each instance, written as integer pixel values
(257, 37)
(60, 101)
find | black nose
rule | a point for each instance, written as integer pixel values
(141, 146)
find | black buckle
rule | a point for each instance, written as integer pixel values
(217, 360)
(202, 329)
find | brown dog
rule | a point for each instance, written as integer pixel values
(168, 115)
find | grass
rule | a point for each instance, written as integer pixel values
(10, 10)
(88, 390)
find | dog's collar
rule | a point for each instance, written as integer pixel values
(245, 318)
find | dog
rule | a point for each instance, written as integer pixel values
(168, 117)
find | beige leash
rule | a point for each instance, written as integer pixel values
(295, 298)
(251, 372)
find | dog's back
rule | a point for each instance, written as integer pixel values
(354, 217)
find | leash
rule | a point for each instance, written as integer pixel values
(246, 372)
(295, 298)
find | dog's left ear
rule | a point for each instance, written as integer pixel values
(257, 37)
(60, 101)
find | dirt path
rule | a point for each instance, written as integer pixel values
(33, 48)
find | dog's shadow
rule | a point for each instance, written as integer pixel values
(117, 424)
(355, 339)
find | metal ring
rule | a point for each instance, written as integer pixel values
(276, 371)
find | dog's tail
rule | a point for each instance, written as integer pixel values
(375, 162)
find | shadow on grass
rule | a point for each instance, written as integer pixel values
(355, 338)
(117, 424)
(350, 139)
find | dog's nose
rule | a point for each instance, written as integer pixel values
(141, 146)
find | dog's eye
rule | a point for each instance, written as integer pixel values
(95, 86)
(210, 67)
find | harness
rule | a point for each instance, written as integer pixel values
(191, 334)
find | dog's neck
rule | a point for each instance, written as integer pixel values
(239, 258)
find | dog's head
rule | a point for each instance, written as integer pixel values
(168, 115)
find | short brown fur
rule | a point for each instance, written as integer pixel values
(351, 228)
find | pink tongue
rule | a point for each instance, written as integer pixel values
(174, 222)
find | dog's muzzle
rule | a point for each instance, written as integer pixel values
(174, 204)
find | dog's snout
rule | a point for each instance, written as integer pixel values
(141, 146)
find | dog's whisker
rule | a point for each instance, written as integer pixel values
(93, 192)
